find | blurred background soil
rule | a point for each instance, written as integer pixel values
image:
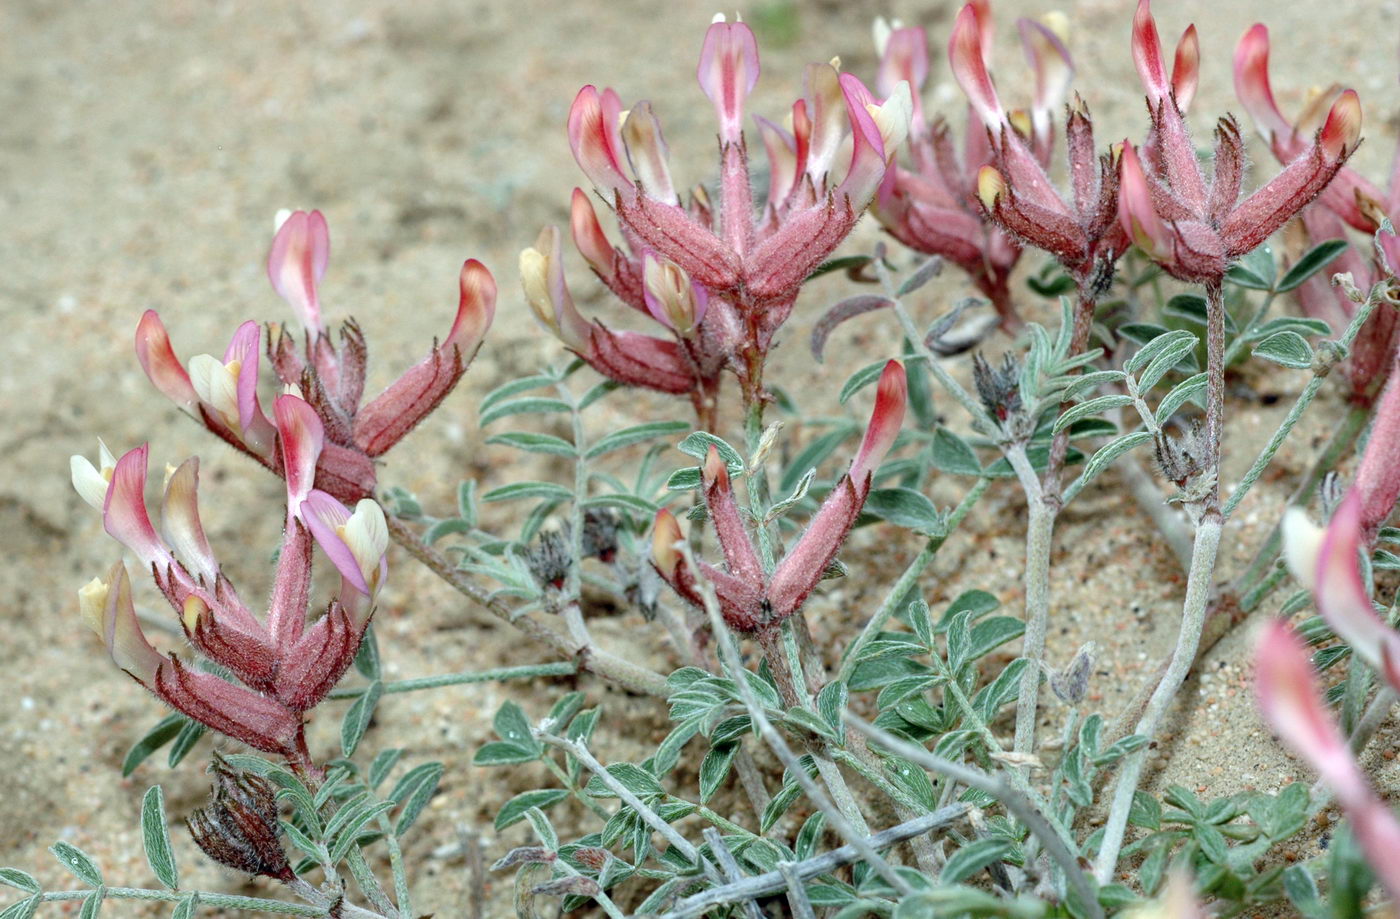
(144, 148)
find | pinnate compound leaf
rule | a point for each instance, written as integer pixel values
(155, 836)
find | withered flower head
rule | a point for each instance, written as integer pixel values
(239, 826)
(998, 388)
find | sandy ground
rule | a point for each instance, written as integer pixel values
(143, 151)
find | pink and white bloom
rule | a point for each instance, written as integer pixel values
(222, 393)
(284, 665)
(1290, 700)
(1194, 228)
(748, 598)
(1350, 200)
(979, 211)
(744, 261)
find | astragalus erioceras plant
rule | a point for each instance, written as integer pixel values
(903, 716)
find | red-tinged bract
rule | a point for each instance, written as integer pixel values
(749, 599)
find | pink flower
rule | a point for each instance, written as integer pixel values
(1349, 200)
(1193, 228)
(979, 212)
(223, 393)
(748, 598)
(1291, 701)
(284, 666)
(744, 262)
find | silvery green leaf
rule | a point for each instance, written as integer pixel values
(78, 862)
(1312, 261)
(1175, 348)
(714, 769)
(598, 392)
(907, 508)
(512, 726)
(972, 858)
(358, 717)
(1092, 407)
(367, 655)
(414, 791)
(1303, 325)
(516, 490)
(157, 737)
(92, 904)
(186, 908)
(1092, 381)
(812, 455)
(635, 435)
(623, 502)
(23, 909)
(21, 880)
(531, 405)
(513, 811)
(861, 379)
(698, 445)
(466, 501)
(155, 836)
(1255, 270)
(1186, 389)
(511, 388)
(534, 443)
(544, 830)
(1287, 348)
(1105, 455)
(950, 453)
(831, 701)
(190, 734)
(382, 765)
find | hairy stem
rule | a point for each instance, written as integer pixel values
(529, 671)
(1040, 531)
(1192, 619)
(209, 898)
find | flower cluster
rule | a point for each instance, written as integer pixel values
(283, 665)
(749, 598)
(943, 203)
(1195, 228)
(720, 275)
(1350, 200)
(222, 394)
(1326, 562)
